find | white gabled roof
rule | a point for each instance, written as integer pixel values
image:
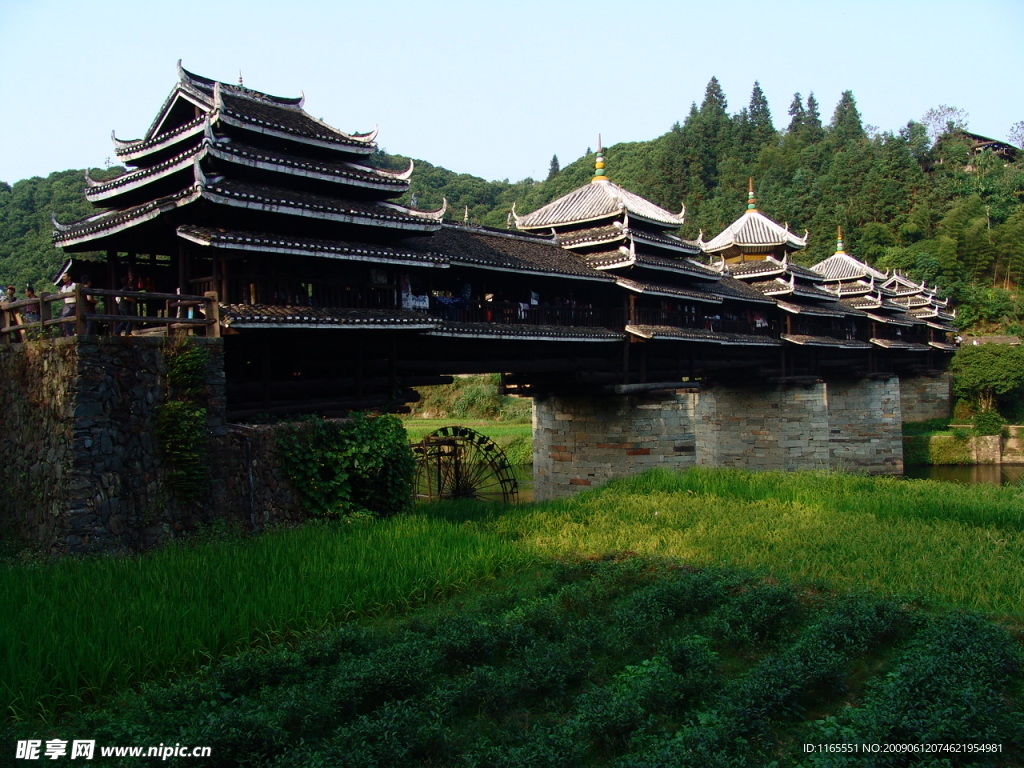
(751, 232)
(594, 201)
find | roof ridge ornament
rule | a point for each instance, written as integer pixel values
(599, 174)
(751, 202)
(839, 239)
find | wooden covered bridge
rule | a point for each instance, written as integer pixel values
(243, 217)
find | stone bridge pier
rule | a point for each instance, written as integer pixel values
(582, 442)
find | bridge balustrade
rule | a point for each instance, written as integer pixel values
(97, 312)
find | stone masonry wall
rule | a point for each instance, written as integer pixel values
(865, 426)
(926, 397)
(81, 469)
(80, 455)
(583, 441)
(763, 428)
(586, 441)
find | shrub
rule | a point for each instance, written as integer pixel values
(360, 466)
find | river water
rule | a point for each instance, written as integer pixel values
(970, 474)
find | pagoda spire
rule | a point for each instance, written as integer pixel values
(839, 239)
(751, 202)
(599, 163)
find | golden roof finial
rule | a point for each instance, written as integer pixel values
(751, 202)
(839, 239)
(599, 163)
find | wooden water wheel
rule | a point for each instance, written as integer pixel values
(459, 463)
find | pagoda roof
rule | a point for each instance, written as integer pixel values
(257, 197)
(653, 289)
(753, 232)
(507, 251)
(944, 346)
(843, 267)
(286, 245)
(674, 333)
(600, 199)
(243, 107)
(267, 316)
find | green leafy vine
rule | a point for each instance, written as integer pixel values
(181, 422)
(359, 467)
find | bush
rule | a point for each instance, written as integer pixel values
(360, 466)
(988, 423)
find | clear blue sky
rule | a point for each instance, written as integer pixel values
(494, 89)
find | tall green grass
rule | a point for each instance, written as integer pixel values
(76, 629)
(956, 545)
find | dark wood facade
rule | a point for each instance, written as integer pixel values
(332, 297)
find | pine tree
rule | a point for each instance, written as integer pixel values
(554, 167)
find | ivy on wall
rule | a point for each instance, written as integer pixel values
(362, 466)
(181, 422)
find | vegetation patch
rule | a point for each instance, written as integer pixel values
(621, 661)
(140, 618)
(361, 466)
(181, 421)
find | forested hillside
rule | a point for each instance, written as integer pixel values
(917, 200)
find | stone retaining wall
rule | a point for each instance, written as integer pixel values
(80, 467)
(581, 442)
(926, 397)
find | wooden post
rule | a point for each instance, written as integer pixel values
(212, 313)
(5, 323)
(79, 310)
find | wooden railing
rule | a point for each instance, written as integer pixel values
(29, 319)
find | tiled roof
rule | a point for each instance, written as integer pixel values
(109, 222)
(731, 288)
(671, 332)
(592, 236)
(908, 346)
(780, 287)
(286, 245)
(753, 232)
(593, 202)
(824, 341)
(498, 331)
(814, 311)
(333, 171)
(905, 322)
(97, 191)
(506, 251)
(842, 266)
(620, 257)
(248, 110)
(943, 346)
(667, 290)
(680, 266)
(267, 199)
(665, 240)
(240, 316)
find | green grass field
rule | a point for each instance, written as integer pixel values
(659, 618)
